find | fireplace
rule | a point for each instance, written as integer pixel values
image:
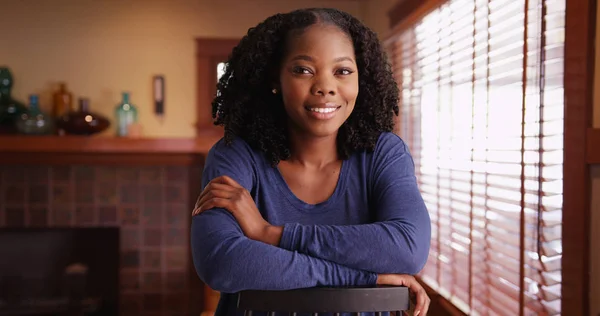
(59, 271)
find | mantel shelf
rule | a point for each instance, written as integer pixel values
(105, 145)
(67, 150)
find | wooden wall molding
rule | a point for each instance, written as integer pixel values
(407, 13)
(580, 29)
(209, 53)
(592, 148)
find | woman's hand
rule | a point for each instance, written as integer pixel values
(224, 192)
(422, 305)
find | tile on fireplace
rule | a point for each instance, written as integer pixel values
(14, 193)
(38, 216)
(61, 194)
(130, 259)
(130, 238)
(84, 173)
(38, 174)
(151, 259)
(106, 174)
(152, 194)
(152, 215)
(130, 304)
(176, 258)
(60, 174)
(130, 215)
(152, 302)
(38, 193)
(176, 237)
(128, 174)
(129, 280)
(178, 175)
(153, 237)
(177, 214)
(85, 215)
(84, 192)
(151, 175)
(173, 302)
(107, 215)
(106, 193)
(175, 281)
(14, 174)
(62, 215)
(128, 193)
(152, 282)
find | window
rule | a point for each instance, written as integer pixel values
(220, 70)
(211, 53)
(482, 86)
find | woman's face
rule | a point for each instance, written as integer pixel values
(319, 80)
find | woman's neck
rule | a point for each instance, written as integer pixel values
(311, 151)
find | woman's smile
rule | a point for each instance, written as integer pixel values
(323, 111)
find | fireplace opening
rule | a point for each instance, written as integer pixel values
(59, 271)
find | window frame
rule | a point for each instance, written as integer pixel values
(209, 53)
(579, 138)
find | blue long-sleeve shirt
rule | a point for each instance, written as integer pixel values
(374, 222)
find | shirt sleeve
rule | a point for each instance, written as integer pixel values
(399, 239)
(229, 262)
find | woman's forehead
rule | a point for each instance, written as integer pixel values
(320, 40)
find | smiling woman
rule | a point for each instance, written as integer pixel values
(308, 184)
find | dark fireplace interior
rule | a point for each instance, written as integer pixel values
(59, 271)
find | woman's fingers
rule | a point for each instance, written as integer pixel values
(422, 305)
(212, 203)
(202, 204)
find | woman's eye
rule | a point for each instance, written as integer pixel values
(301, 70)
(344, 71)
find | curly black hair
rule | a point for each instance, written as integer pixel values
(246, 108)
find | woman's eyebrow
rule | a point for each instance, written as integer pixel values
(337, 60)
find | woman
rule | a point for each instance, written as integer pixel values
(309, 187)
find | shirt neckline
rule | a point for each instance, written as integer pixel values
(307, 207)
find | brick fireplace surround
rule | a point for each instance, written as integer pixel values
(145, 187)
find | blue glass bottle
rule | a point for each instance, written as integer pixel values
(10, 109)
(125, 114)
(35, 122)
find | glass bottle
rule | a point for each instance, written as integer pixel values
(35, 122)
(63, 101)
(126, 114)
(10, 109)
(83, 122)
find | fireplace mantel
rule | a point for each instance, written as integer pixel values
(68, 150)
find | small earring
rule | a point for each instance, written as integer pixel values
(274, 91)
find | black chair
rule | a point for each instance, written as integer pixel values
(327, 300)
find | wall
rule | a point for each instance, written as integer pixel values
(101, 48)
(149, 204)
(595, 205)
(374, 13)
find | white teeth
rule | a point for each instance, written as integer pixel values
(323, 110)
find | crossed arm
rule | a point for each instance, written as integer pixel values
(233, 247)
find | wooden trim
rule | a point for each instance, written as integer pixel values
(209, 53)
(408, 13)
(119, 159)
(440, 306)
(578, 68)
(106, 145)
(592, 151)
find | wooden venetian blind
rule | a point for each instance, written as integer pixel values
(482, 110)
